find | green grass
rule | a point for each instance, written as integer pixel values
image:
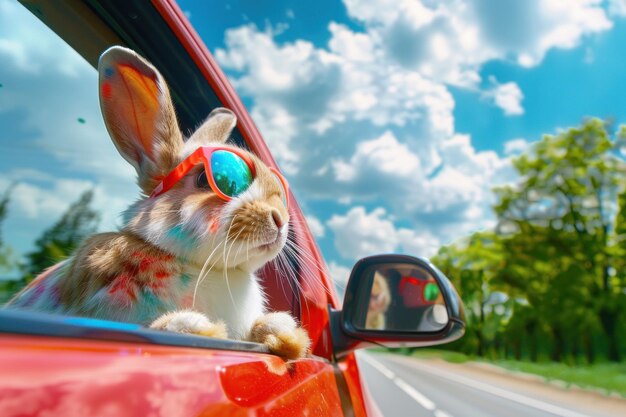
(449, 356)
(608, 377)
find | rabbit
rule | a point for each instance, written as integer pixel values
(178, 249)
(380, 298)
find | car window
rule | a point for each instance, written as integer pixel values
(61, 177)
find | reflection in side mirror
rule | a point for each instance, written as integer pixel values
(399, 296)
(394, 301)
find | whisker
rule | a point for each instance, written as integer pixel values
(303, 255)
(308, 274)
(234, 239)
(202, 275)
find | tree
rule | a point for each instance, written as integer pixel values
(7, 261)
(558, 252)
(472, 264)
(60, 240)
(556, 224)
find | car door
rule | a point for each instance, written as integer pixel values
(52, 365)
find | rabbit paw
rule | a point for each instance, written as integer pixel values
(281, 334)
(187, 321)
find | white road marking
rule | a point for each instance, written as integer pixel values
(408, 389)
(379, 366)
(499, 392)
(415, 394)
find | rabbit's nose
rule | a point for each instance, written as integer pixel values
(278, 220)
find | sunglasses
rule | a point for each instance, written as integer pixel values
(227, 171)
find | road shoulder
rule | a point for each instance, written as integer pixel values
(529, 385)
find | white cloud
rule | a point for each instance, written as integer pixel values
(359, 234)
(53, 157)
(33, 202)
(368, 118)
(389, 11)
(384, 155)
(617, 8)
(529, 29)
(339, 275)
(451, 40)
(37, 201)
(459, 191)
(52, 101)
(515, 146)
(316, 226)
(290, 97)
(507, 96)
(30, 47)
(314, 90)
(355, 47)
(377, 131)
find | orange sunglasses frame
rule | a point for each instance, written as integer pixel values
(203, 154)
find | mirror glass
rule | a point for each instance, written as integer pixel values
(399, 297)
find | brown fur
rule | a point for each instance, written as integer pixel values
(152, 158)
(214, 132)
(287, 344)
(105, 257)
(381, 293)
(248, 218)
(209, 329)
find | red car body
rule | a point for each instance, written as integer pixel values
(45, 373)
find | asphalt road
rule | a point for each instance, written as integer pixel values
(404, 387)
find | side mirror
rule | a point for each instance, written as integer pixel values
(396, 301)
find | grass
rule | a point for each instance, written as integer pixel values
(449, 356)
(605, 377)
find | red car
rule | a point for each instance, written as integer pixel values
(66, 366)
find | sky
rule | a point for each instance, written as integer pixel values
(392, 120)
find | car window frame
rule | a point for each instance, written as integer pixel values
(105, 24)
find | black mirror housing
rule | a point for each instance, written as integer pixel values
(401, 314)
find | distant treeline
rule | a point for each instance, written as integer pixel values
(549, 282)
(55, 244)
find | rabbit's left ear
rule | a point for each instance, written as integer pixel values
(215, 129)
(138, 113)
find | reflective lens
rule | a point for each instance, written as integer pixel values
(231, 173)
(431, 292)
(283, 192)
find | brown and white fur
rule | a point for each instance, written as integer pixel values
(380, 298)
(185, 260)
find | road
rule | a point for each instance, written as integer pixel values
(406, 387)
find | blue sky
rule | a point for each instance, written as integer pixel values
(391, 119)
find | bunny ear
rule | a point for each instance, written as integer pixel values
(138, 112)
(215, 129)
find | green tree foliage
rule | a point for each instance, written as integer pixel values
(473, 265)
(558, 252)
(7, 261)
(60, 240)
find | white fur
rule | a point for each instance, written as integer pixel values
(232, 296)
(279, 322)
(187, 322)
